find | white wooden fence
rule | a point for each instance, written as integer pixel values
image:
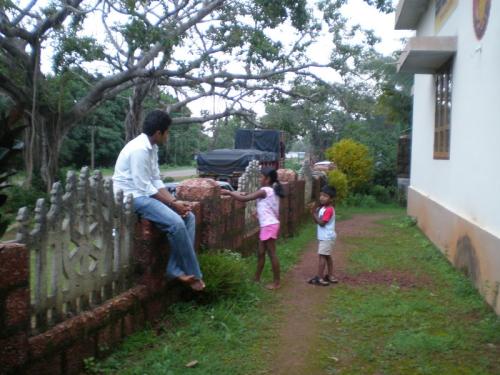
(80, 247)
(249, 182)
(306, 174)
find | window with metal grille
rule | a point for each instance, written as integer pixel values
(443, 87)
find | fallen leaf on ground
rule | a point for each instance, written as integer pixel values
(192, 364)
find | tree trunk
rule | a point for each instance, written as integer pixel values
(133, 121)
(42, 148)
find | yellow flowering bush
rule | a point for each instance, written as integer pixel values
(354, 160)
(338, 180)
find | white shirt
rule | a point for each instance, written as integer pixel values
(327, 232)
(136, 170)
(268, 208)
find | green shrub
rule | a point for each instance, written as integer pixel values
(168, 179)
(293, 165)
(381, 193)
(354, 160)
(338, 180)
(21, 197)
(225, 274)
(360, 200)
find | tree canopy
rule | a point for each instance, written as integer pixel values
(191, 49)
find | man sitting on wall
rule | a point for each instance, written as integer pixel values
(137, 173)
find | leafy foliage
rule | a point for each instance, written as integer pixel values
(381, 193)
(224, 273)
(338, 180)
(10, 147)
(354, 160)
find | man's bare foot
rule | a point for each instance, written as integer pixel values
(187, 279)
(198, 285)
(273, 286)
(195, 284)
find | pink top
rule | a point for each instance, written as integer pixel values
(268, 208)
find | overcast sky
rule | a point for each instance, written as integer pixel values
(358, 12)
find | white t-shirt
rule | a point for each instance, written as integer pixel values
(268, 208)
(327, 232)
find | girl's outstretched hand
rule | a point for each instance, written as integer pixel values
(225, 192)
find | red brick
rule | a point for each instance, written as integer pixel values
(154, 309)
(109, 336)
(46, 366)
(287, 175)
(80, 350)
(13, 351)
(17, 307)
(128, 324)
(14, 265)
(198, 189)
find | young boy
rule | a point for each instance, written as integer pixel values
(324, 216)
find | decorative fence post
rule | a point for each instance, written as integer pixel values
(305, 174)
(248, 183)
(80, 247)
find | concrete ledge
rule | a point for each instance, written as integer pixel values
(409, 13)
(425, 55)
(467, 246)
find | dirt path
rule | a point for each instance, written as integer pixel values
(301, 303)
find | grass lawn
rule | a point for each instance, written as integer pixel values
(439, 325)
(226, 337)
(435, 323)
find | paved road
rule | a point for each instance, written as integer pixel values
(179, 173)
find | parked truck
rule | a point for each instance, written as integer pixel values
(265, 146)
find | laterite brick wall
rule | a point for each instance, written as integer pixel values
(63, 348)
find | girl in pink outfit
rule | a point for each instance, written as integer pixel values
(268, 209)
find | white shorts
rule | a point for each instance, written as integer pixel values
(325, 247)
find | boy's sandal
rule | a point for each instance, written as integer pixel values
(318, 281)
(331, 280)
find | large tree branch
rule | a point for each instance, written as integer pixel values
(56, 19)
(98, 92)
(13, 89)
(212, 117)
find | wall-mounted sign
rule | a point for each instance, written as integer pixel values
(481, 14)
(444, 9)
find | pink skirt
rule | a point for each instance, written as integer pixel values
(269, 232)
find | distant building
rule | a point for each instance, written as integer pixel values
(300, 155)
(455, 160)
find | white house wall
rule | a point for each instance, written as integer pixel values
(468, 184)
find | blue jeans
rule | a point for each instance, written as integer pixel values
(180, 232)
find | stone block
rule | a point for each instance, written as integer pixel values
(287, 175)
(46, 366)
(129, 325)
(75, 354)
(108, 337)
(17, 307)
(14, 265)
(13, 351)
(198, 189)
(154, 309)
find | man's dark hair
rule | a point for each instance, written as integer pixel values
(156, 120)
(330, 191)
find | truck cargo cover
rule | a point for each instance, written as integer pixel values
(264, 140)
(227, 161)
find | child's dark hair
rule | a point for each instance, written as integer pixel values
(330, 191)
(156, 120)
(273, 178)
